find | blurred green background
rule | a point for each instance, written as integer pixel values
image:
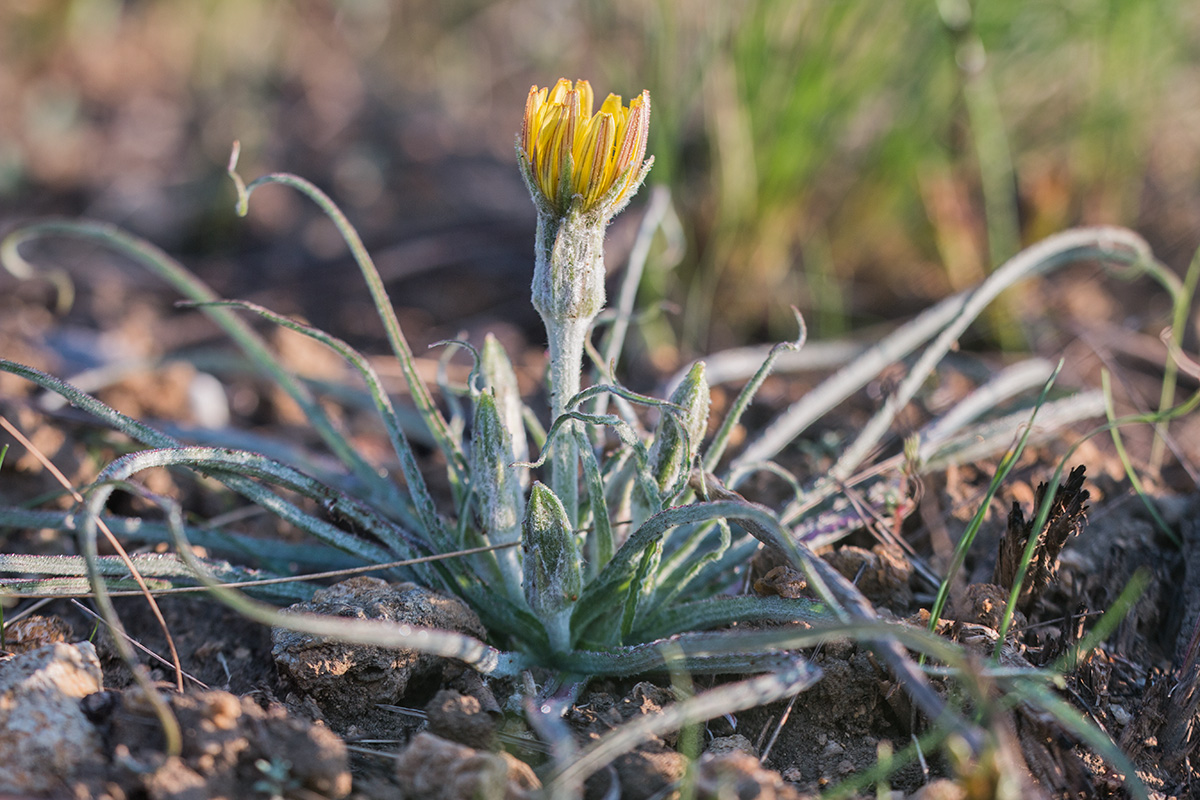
(856, 158)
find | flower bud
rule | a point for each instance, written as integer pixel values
(576, 158)
(674, 445)
(497, 485)
(676, 442)
(553, 578)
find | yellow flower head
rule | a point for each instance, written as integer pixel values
(572, 152)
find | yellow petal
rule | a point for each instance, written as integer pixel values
(573, 152)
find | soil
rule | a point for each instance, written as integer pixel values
(258, 721)
(263, 716)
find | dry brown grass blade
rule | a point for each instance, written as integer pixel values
(112, 540)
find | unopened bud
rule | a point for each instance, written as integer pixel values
(678, 437)
(553, 578)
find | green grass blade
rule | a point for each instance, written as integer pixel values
(1127, 463)
(968, 537)
(1181, 296)
(1107, 623)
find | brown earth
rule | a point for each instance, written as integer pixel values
(239, 709)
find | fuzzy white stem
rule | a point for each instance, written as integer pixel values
(568, 293)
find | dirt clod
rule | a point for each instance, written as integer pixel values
(782, 581)
(461, 719)
(730, 744)
(881, 573)
(348, 680)
(983, 604)
(432, 768)
(647, 771)
(35, 631)
(653, 765)
(738, 774)
(232, 748)
(940, 789)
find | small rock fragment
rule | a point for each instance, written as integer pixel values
(882, 573)
(940, 789)
(980, 604)
(784, 582)
(645, 772)
(735, 743)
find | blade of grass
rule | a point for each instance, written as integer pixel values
(1107, 623)
(1182, 297)
(1127, 464)
(968, 537)
(721, 439)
